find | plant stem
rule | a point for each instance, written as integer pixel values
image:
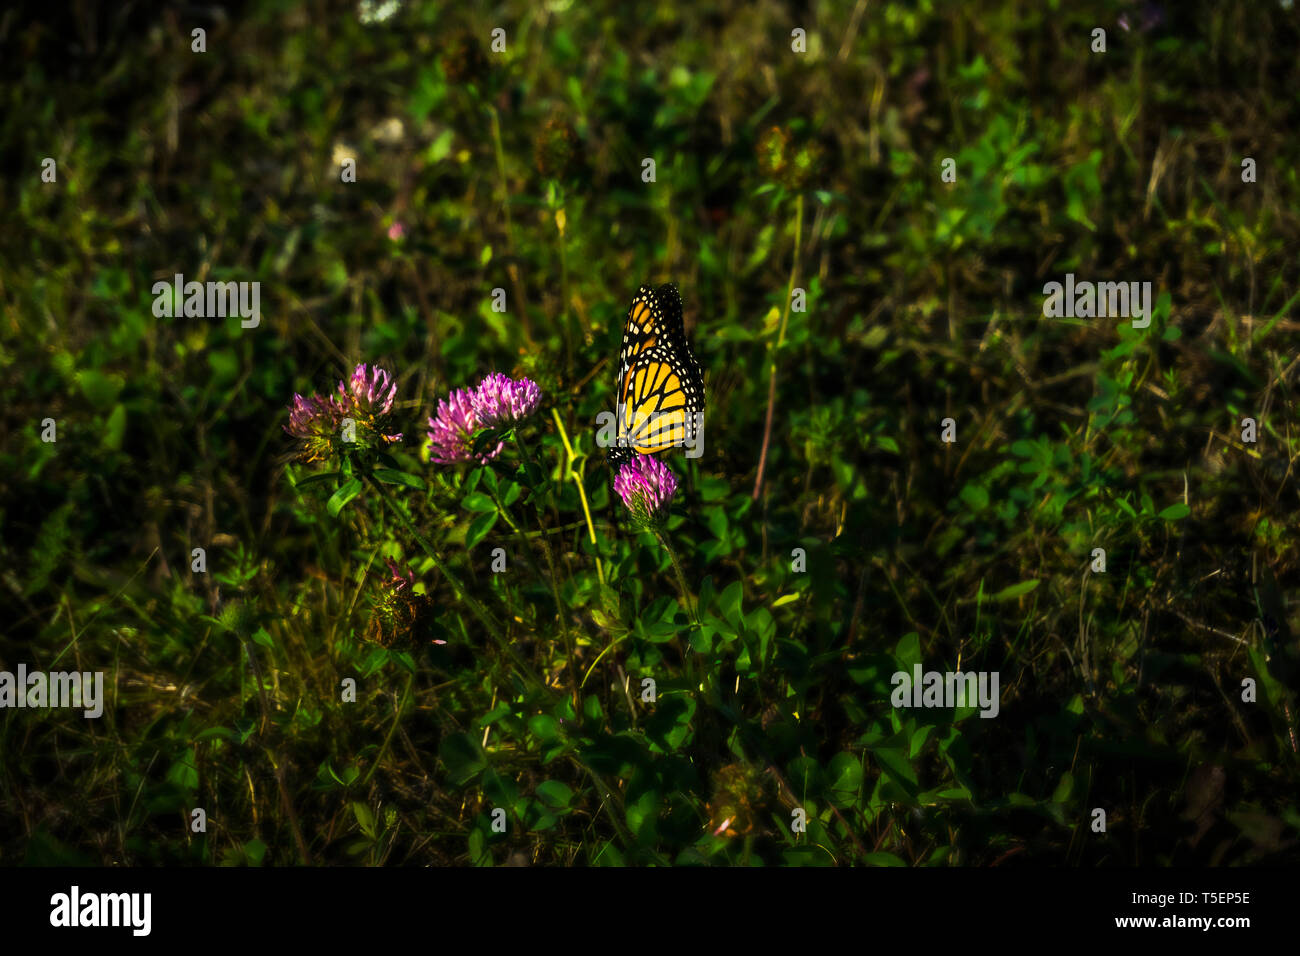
(780, 341)
(504, 512)
(397, 717)
(555, 580)
(582, 492)
(512, 266)
(566, 324)
(688, 658)
(559, 607)
(598, 659)
(555, 512)
(488, 621)
(304, 853)
(681, 578)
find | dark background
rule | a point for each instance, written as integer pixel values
(775, 169)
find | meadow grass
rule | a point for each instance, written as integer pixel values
(827, 538)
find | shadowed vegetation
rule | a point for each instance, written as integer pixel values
(775, 171)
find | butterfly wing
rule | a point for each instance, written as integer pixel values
(654, 316)
(660, 387)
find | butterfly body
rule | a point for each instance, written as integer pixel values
(660, 390)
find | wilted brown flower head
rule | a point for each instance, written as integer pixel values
(555, 151)
(464, 60)
(783, 162)
(738, 801)
(400, 618)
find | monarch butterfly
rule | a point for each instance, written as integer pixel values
(660, 390)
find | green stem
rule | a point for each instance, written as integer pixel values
(681, 578)
(512, 267)
(582, 491)
(566, 321)
(614, 807)
(559, 608)
(397, 717)
(780, 341)
(527, 452)
(794, 270)
(488, 621)
(505, 513)
(555, 578)
(501, 173)
(612, 644)
(688, 658)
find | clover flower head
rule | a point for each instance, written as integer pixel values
(401, 618)
(364, 401)
(367, 397)
(315, 421)
(309, 416)
(370, 391)
(1152, 15)
(451, 431)
(501, 400)
(647, 487)
(400, 581)
(555, 151)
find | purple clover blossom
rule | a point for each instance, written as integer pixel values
(400, 581)
(315, 420)
(647, 487)
(306, 415)
(370, 390)
(368, 395)
(365, 400)
(1150, 16)
(451, 431)
(400, 615)
(501, 400)
(497, 401)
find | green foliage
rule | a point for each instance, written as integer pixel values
(524, 691)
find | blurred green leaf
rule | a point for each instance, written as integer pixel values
(391, 477)
(463, 757)
(479, 528)
(349, 490)
(1015, 591)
